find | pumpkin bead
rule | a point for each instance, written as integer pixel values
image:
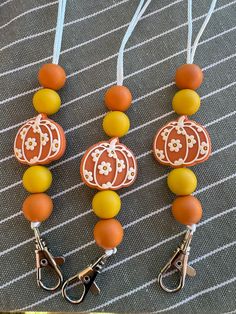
(116, 124)
(37, 179)
(186, 102)
(52, 76)
(118, 98)
(39, 141)
(108, 233)
(106, 204)
(37, 207)
(46, 101)
(182, 143)
(108, 165)
(187, 210)
(182, 181)
(189, 76)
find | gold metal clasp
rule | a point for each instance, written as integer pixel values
(179, 262)
(86, 278)
(45, 260)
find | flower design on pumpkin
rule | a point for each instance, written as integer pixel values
(165, 134)
(175, 145)
(131, 173)
(35, 127)
(34, 160)
(120, 165)
(96, 155)
(55, 145)
(191, 141)
(88, 175)
(111, 150)
(160, 153)
(44, 139)
(179, 162)
(180, 126)
(203, 148)
(18, 152)
(23, 133)
(104, 168)
(107, 185)
(30, 143)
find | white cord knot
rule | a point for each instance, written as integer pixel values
(192, 228)
(35, 224)
(111, 252)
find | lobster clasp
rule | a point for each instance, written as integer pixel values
(86, 278)
(45, 260)
(178, 262)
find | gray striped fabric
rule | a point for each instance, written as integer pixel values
(92, 35)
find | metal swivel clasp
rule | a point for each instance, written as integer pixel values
(86, 278)
(179, 262)
(44, 259)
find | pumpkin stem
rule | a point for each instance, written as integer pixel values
(114, 141)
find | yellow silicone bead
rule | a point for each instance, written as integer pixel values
(116, 124)
(37, 179)
(186, 102)
(182, 181)
(46, 101)
(106, 204)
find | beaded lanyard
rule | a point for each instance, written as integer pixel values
(38, 142)
(108, 166)
(183, 143)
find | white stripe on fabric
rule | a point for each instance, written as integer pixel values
(105, 34)
(65, 25)
(27, 12)
(85, 43)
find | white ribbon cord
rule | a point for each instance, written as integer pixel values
(136, 17)
(191, 49)
(59, 31)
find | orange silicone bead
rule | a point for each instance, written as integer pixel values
(37, 207)
(52, 76)
(189, 76)
(187, 210)
(118, 98)
(108, 233)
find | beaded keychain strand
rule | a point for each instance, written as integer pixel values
(38, 142)
(183, 143)
(108, 166)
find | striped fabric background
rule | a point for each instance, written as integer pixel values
(92, 35)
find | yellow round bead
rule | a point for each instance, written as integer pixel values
(37, 179)
(182, 181)
(186, 102)
(46, 101)
(106, 204)
(116, 124)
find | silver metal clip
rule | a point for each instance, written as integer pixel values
(87, 278)
(44, 259)
(179, 262)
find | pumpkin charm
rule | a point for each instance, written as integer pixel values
(39, 141)
(182, 143)
(108, 165)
